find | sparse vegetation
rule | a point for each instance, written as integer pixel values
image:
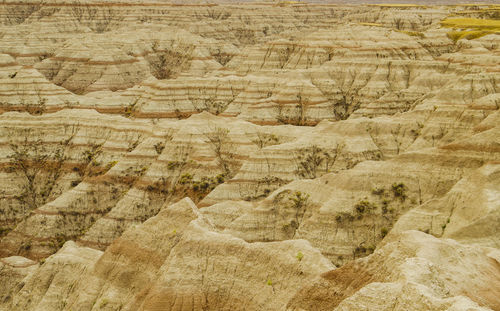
(470, 28)
(213, 106)
(309, 162)
(378, 191)
(264, 139)
(221, 57)
(166, 63)
(293, 207)
(284, 53)
(215, 14)
(36, 108)
(293, 114)
(364, 207)
(399, 190)
(300, 256)
(222, 146)
(131, 108)
(18, 13)
(180, 181)
(343, 108)
(299, 201)
(159, 146)
(245, 36)
(38, 165)
(98, 19)
(383, 232)
(261, 188)
(341, 93)
(361, 250)
(203, 100)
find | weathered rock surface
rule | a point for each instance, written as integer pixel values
(257, 156)
(412, 271)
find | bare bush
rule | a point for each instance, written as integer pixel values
(36, 108)
(38, 164)
(212, 105)
(284, 53)
(342, 92)
(217, 14)
(264, 139)
(245, 19)
(47, 12)
(97, 19)
(398, 23)
(223, 147)
(297, 115)
(245, 36)
(260, 188)
(17, 13)
(106, 18)
(311, 161)
(344, 107)
(295, 203)
(203, 101)
(167, 63)
(221, 57)
(131, 108)
(175, 182)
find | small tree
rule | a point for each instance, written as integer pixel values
(295, 116)
(264, 139)
(298, 202)
(310, 161)
(223, 147)
(284, 53)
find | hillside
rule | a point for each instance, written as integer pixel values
(256, 156)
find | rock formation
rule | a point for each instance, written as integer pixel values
(250, 156)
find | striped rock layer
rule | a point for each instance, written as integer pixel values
(257, 156)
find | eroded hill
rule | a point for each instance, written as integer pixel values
(265, 156)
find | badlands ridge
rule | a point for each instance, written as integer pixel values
(258, 156)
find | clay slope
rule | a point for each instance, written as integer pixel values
(410, 272)
(133, 275)
(257, 156)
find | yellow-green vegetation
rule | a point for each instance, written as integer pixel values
(469, 5)
(370, 24)
(412, 33)
(300, 256)
(285, 3)
(398, 5)
(471, 23)
(467, 34)
(103, 303)
(470, 28)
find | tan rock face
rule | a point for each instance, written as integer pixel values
(258, 156)
(412, 274)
